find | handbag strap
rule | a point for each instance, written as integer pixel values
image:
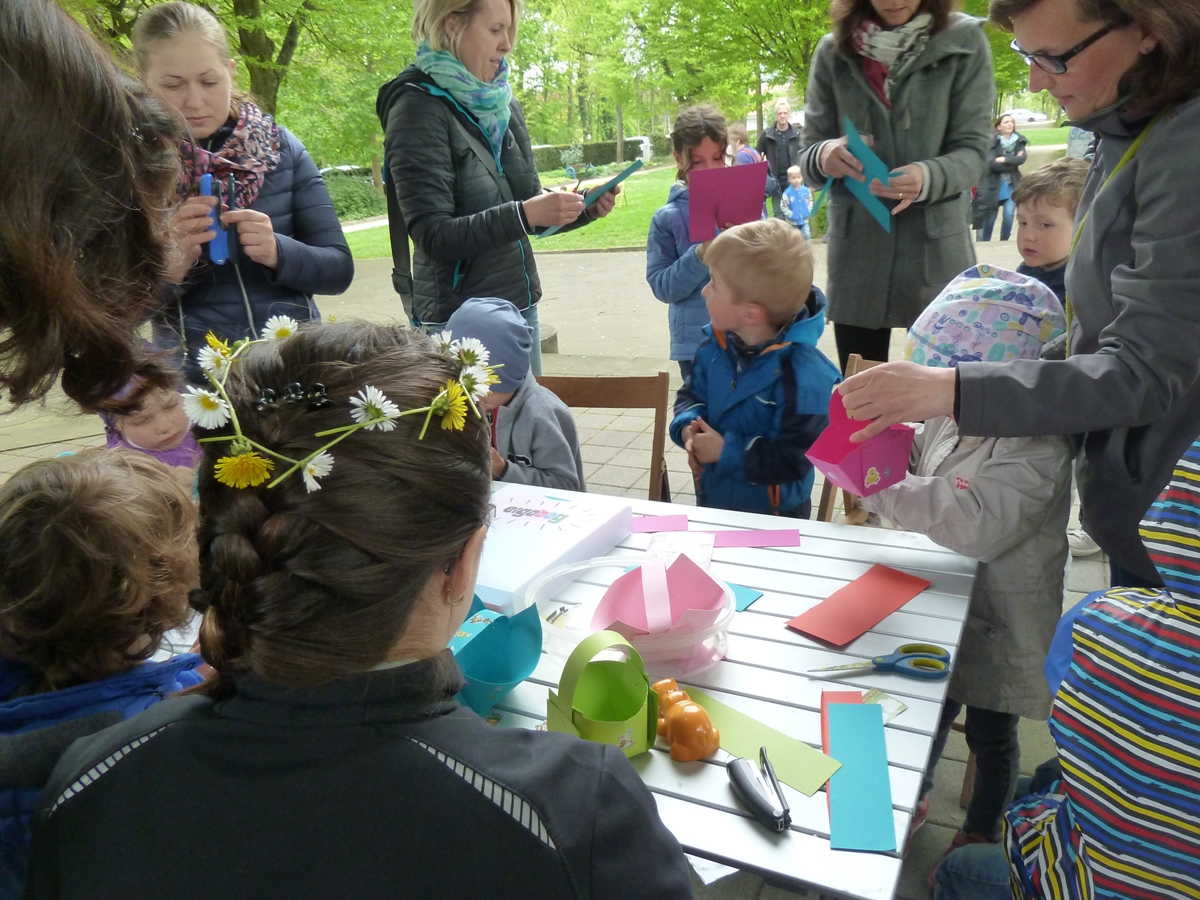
(489, 161)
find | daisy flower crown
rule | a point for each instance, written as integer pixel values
(249, 464)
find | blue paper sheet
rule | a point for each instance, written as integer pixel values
(743, 596)
(873, 168)
(860, 792)
(596, 193)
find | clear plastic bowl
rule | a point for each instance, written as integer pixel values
(669, 654)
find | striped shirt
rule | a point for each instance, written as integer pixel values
(1125, 820)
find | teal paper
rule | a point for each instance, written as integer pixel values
(595, 194)
(821, 197)
(873, 168)
(495, 653)
(860, 792)
(743, 596)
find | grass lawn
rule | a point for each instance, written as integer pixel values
(626, 226)
(1040, 137)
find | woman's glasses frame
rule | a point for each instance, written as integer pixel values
(1057, 65)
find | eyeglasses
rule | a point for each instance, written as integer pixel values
(1057, 65)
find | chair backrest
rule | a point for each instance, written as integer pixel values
(621, 392)
(854, 513)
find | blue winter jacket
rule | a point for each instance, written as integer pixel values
(313, 259)
(676, 276)
(37, 728)
(769, 404)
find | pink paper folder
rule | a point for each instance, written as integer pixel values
(653, 598)
(854, 610)
(864, 468)
(718, 198)
(759, 537)
(656, 524)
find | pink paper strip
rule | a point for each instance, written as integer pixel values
(657, 596)
(651, 524)
(775, 537)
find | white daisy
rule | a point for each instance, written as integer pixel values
(471, 352)
(476, 382)
(279, 327)
(371, 406)
(317, 467)
(205, 408)
(444, 341)
(213, 362)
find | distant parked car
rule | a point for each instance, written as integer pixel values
(1025, 116)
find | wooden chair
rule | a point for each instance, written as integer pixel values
(623, 392)
(855, 514)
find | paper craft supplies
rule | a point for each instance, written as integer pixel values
(718, 198)
(534, 529)
(656, 524)
(653, 599)
(860, 792)
(596, 193)
(873, 168)
(854, 610)
(495, 653)
(865, 468)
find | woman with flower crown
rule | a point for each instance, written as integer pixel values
(285, 241)
(345, 496)
(460, 163)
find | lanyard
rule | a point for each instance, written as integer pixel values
(1125, 160)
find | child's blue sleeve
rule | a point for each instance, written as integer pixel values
(690, 403)
(671, 277)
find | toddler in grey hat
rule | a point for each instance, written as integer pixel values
(534, 438)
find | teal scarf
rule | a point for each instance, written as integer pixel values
(486, 101)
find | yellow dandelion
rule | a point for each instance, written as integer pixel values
(244, 470)
(455, 402)
(218, 345)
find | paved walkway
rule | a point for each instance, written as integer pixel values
(608, 323)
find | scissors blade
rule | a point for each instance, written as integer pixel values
(846, 667)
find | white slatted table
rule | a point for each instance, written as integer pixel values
(764, 676)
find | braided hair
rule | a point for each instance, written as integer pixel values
(301, 588)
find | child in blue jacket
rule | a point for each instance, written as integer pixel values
(759, 394)
(674, 266)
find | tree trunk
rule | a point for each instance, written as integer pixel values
(266, 67)
(620, 135)
(758, 99)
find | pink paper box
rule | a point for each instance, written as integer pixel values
(865, 468)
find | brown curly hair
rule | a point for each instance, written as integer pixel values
(301, 587)
(849, 15)
(89, 161)
(692, 126)
(99, 557)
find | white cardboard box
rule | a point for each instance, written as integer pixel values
(535, 528)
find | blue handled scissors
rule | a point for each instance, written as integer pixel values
(927, 661)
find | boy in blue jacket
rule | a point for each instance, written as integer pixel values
(759, 393)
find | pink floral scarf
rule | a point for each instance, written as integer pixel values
(248, 155)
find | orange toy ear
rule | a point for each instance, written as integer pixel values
(689, 731)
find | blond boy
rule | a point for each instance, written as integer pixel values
(759, 393)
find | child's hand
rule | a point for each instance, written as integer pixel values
(687, 432)
(706, 443)
(694, 464)
(499, 464)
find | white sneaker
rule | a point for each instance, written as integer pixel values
(1081, 543)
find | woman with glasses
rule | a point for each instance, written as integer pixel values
(915, 78)
(1126, 376)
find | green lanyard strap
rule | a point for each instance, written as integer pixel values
(1125, 160)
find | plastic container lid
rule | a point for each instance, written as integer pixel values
(666, 654)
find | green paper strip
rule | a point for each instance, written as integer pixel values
(796, 764)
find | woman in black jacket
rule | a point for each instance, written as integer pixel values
(289, 242)
(459, 160)
(1005, 159)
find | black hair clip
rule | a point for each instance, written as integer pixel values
(265, 403)
(294, 393)
(317, 398)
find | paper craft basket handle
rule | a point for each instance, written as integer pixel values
(587, 650)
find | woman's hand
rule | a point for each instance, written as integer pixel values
(604, 204)
(554, 208)
(897, 392)
(905, 187)
(190, 226)
(255, 235)
(836, 160)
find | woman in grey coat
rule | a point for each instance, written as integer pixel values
(459, 160)
(1129, 387)
(919, 82)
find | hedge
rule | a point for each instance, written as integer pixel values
(354, 196)
(598, 153)
(661, 145)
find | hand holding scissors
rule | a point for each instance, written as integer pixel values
(927, 661)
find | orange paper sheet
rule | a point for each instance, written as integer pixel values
(858, 607)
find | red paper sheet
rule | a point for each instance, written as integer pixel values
(718, 198)
(858, 607)
(827, 699)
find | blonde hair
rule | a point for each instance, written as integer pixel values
(174, 20)
(794, 170)
(737, 132)
(773, 262)
(429, 21)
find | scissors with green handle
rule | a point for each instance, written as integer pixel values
(913, 660)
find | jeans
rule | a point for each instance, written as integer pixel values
(974, 872)
(531, 319)
(992, 737)
(1010, 210)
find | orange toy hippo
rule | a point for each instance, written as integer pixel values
(684, 723)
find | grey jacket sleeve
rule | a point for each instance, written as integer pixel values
(968, 136)
(1001, 506)
(544, 445)
(820, 111)
(316, 260)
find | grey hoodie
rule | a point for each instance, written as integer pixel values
(536, 435)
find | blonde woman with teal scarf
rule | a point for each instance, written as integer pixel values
(460, 164)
